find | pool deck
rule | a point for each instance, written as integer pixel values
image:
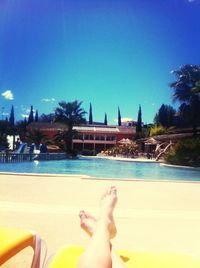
(150, 215)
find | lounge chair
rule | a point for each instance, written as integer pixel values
(68, 257)
(12, 241)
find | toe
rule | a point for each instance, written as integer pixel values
(113, 190)
(82, 214)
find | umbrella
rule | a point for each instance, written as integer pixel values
(125, 141)
(151, 141)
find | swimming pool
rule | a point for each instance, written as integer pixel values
(104, 168)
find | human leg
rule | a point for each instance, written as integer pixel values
(98, 253)
(88, 224)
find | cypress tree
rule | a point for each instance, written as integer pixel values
(90, 115)
(105, 120)
(25, 121)
(12, 117)
(30, 118)
(166, 115)
(36, 116)
(119, 118)
(139, 120)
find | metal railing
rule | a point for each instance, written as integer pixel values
(10, 157)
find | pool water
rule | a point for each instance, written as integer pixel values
(104, 168)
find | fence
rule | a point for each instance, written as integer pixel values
(16, 157)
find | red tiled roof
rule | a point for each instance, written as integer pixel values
(82, 128)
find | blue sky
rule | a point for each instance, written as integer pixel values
(108, 52)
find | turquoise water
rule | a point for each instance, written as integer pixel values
(104, 168)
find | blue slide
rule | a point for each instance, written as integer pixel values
(21, 148)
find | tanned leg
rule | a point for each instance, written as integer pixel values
(98, 253)
(88, 224)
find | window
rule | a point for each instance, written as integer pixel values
(110, 138)
(99, 138)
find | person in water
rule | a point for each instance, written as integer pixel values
(100, 253)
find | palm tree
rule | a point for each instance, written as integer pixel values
(21, 129)
(61, 137)
(187, 80)
(70, 114)
(36, 136)
(4, 129)
(196, 89)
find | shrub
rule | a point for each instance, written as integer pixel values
(157, 130)
(126, 149)
(186, 152)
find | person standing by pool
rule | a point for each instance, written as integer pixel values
(43, 148)
(99, 253)
(32, 148)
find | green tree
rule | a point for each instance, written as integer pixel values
(47, 117)
(62, 137)
(157, 130)
(165, 116)
(12, 117)
(36, 116)
(4, 126)
(119, 118)
(186, 89)
(31, 118)
(185, 115)
(70, 114)
(185, 153)
(139, 121)
(21, 129)
(36, 136)
(105, 120)
(156, 120)
(196, 88)
(90, 115)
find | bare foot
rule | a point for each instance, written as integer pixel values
(108, 202)
(87, 222)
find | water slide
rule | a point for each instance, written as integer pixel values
(21, 148)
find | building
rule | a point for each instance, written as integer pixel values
(90, 138)
(99, 138)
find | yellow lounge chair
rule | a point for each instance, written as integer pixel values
(68, 257)
(12, 241)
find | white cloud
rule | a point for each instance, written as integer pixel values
(22, 107)
(124, 119)
(25, 115)
(5, 114)
(27, 110)
(192, 1)
(8, 95)
(48, 100)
